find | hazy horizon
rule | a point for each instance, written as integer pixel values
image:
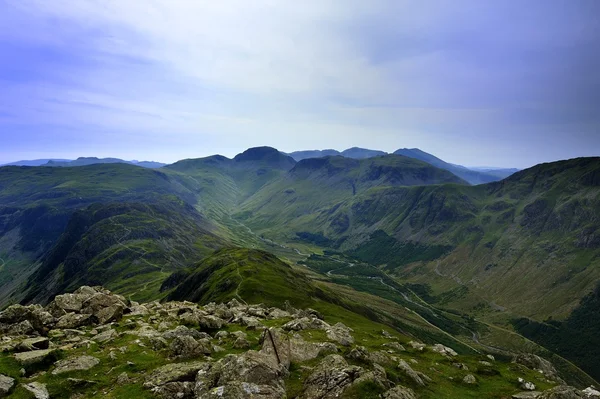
(498, 83)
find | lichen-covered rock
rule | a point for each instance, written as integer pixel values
(176, 372)
(76, 363)
(305, 323)
(470, 379)
(6, 385)
(31, 344)
(562, 392)
(253, 372)
(444, 350)
(74, 320)
(38, 390)
(536, 362)
(330, 378)
(399, 392)
(105, 336)
(341, 334)
(34, 357)
(417, 377)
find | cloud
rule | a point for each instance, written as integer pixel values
(199, 76)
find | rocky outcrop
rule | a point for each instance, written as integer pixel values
(233, 350)
(536, 362)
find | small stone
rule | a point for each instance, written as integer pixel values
(123, 379)
(470, 379)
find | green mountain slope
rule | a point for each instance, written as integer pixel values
(314, 188)
(470, 175)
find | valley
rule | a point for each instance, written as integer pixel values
(497, 268)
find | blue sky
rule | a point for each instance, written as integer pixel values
(499, 83)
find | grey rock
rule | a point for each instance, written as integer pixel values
(526, 395)
(74, 320)
(562, 392)
(470, 379)
(256, 370)
(6, 385)
(330, 378)
(31, 344)
(400, 392)
(38, 390)
(77, 363)
(105, 336)
(188, 347)
(34, 357)
(176, 372)
(536, 362)
(418, 378)
(341, 334)
(183, 331)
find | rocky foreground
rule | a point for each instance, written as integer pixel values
(93, 343)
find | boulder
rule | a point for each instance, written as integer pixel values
(444, 350)
(305, 323)
(360, 354)
(341, 334)
(330, 378)
(110, 313)
(244, 390)
(38, 390)
(73, 364)
(105, 336)
(591, 392)
(32, 358)
(31, 344)
(526, 395)
(561, 392)
(276, 346)
(417, 345)
(470, 379)
(535, 362)
(176, 372)
(6, 385)
(249, 375)
(187, 347)
(74, 320)
(399, 392)
(183, 331)
(418, 378)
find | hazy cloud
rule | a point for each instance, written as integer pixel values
(495, 82)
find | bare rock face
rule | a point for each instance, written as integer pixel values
(77, 363)
(6, 385)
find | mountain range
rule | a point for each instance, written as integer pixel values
(504, 266)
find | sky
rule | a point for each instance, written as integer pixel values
(506, 83)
